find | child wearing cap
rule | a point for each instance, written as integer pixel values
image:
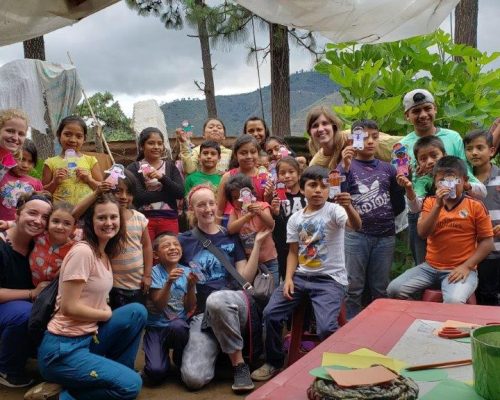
(420, 110)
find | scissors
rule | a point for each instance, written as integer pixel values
(454, 333)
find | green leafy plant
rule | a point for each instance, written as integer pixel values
(373, 79)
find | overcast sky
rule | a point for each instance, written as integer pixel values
(136, 58)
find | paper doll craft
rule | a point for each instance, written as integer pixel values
(263, 175)
(400, 159)
(283, 152)
(71, 159)
(7, 160)
(272, 171)
(334, 180)
(196, 270)
(116, 171)
(281, 191)
(186, 126)
(450, 182)
(151, 184)
(358, 138)
(246, 198)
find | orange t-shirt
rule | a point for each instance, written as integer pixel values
(81, 263)
(454, 239)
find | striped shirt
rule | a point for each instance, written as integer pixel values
(492, 203)
(128, 266)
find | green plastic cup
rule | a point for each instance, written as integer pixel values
(486, 361)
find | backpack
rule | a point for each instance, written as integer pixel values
(42, 311)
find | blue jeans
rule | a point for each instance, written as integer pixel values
(97, 368)
(14, 343)
(418, 246)
(368, 260)
(326, 296)
(273, 268)
(423, 276)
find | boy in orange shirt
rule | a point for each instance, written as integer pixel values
(459, 235)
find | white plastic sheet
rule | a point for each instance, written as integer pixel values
(368, 21)
(37, 87)
(25, 19)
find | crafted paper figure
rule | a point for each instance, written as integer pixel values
(335, 179)
(358, 138)
(186, 126)
(450, 181)
(71, 159)
(196, 269)
(151, 184)
(7, 160)
(116, 171)
(272, 171)
(400, 159)
(263, 175)
(283, 152)
(281, 191)
(246, 198)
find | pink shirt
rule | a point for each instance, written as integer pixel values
(249, 231)
(11, 187)
(81, 263)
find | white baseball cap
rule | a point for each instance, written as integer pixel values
(417, 97)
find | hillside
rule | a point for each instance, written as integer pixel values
(306, 88)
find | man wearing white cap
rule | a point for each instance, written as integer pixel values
(420, 111)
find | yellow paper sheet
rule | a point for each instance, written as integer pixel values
(361, 358)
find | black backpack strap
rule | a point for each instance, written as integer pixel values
(207, 244)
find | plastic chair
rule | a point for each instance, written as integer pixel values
(297, 334)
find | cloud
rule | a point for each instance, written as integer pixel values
(136, 58)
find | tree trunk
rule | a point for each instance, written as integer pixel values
(206, 59)
(280, 80)
(34, 48)
(44, 143)
(466, 22)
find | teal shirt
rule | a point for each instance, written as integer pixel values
(453, 145)
(198, 177)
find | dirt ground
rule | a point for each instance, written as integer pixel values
(219, 389)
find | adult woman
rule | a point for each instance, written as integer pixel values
(257, 127)
(88, 349)
(16, 287)
(160, 184)
(227, 309)
(329, 144)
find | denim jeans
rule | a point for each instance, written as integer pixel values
(423, 276)
(368, 260)
(273, 268)
(14, 343)
(326, 296)
(97, 368)
(418, 246)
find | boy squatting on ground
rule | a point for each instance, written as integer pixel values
(459, 235)
(315, 266)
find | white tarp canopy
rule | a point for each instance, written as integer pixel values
(39, 88)
(25, 19)
(368, 21)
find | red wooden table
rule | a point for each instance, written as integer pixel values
(378, 327)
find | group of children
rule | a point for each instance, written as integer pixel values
(328, 242)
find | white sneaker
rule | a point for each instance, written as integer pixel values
(264, 373)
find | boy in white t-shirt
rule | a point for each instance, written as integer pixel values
(315, 266)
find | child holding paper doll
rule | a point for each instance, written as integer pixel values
(459, 235)
(71, 175)
(285, 203)
(248, 217)
(377, 198)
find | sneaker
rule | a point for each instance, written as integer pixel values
(264, 373)
(43, 391)
(15, 381)
(242, 380)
